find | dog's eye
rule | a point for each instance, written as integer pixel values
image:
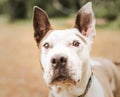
(46, 45)
(76, 43)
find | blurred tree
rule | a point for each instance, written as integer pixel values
(108, 9)
(2, 6)
(111, 10)
(52, 7)
(58, 7)
(1, 9)
(17, 9)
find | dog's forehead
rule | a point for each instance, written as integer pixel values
(63, 34)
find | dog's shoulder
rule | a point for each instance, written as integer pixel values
(105, 66)
(102, 68)
(107, 73)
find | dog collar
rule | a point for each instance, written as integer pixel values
(88, 86)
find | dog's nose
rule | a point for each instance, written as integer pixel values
(59, 62)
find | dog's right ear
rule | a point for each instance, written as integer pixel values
(41, 24)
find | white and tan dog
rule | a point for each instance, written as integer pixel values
(68, 69)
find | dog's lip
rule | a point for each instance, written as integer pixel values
(60, 78)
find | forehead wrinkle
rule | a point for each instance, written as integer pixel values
(81, 38)
(59, 35)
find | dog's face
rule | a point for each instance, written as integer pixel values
(64, 53)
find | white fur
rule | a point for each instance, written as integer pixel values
(78, 63)
(113, 86)
(95, 63)
(62, 45)
(95, 90)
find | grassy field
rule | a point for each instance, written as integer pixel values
(20, 72)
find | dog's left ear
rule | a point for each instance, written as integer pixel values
(85, 21)
(41, 24)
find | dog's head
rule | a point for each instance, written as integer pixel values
(64, 53)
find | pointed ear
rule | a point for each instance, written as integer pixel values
(41, 24)
(85, 21)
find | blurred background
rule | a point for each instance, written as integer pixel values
(20, 72)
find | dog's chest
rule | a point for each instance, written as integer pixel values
(95, 90)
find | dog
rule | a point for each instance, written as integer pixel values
(68, 68)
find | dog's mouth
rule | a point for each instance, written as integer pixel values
(62, 80)
(61, 76)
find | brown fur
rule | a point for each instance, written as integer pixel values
(41, 24)
(105, 73)
(83, 21)
(82, 39)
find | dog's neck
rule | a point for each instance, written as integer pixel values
(80, 89)
(88, 86)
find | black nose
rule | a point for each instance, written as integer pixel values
(59, 62)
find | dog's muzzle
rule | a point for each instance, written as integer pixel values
(59, 64)
(60, 71)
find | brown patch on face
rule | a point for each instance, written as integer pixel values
(82, 38)
(66, 81)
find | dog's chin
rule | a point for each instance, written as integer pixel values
(62, 81)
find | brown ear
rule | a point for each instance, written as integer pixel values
(85, 21)
(41, 24)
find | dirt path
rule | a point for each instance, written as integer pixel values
(20, 73)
